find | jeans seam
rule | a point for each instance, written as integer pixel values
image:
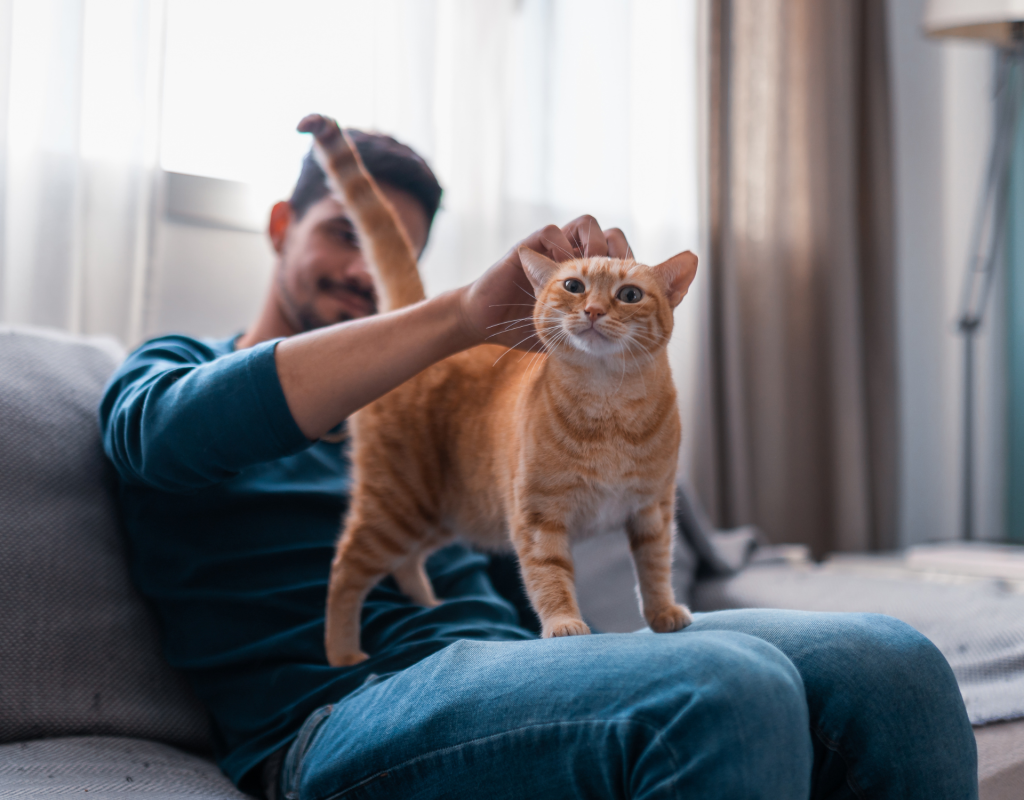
(664, 729)
(310, 728)
(834, 747)
(454, 747)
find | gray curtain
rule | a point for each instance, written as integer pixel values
(799, 397)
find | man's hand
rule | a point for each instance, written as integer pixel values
(497, 308)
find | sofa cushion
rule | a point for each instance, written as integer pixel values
(109, 768)
(79, 650)
(978, 624)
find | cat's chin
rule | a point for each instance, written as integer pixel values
(594, 343)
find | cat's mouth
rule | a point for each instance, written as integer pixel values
(595, 332)
(594, 341)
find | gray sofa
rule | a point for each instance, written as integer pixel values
(87, 702)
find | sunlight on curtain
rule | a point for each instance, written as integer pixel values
(530, 112)
(524, 109)
(79, 91)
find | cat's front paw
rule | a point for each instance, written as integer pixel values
(345, 659)
(565, 626)
(671, 618)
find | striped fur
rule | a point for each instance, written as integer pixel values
(495, 446)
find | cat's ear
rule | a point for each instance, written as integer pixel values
(538, 268)
(676, 275)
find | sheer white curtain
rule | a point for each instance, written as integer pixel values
(79, 110)
(528, 110)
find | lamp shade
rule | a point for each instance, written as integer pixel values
(977, 19)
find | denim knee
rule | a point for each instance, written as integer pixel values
(903, 705)
(755, 719)
(893, 656)
(885, 709)
(756, 677)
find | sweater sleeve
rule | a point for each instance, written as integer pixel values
(178, 416)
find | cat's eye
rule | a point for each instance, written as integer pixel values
(574, 286)
(630, 294)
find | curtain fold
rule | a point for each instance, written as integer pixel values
(79, 93)
(800, 363)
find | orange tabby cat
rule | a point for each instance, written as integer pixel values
(573, 442)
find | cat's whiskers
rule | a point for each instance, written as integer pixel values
(560, 336)
(499, 305)
(509, 321)
(655, 342)
(514, 325)
(532, 335)
(513, 347)
(529, 350)
(524, 326)
(576, 242)
(537, 300)
(538, 358)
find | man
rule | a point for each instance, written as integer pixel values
(232, 502)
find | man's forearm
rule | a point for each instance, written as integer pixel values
(329, 373)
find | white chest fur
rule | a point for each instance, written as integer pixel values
(608, 510)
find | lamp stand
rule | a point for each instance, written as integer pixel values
(986, 241)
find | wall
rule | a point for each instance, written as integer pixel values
(942, 126)
(211, 259)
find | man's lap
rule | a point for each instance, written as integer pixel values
(725, 708)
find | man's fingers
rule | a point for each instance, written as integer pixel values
(618, 247)
(586, 236)
(551, 242)
(580, 238)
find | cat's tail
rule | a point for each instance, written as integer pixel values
(383, 240)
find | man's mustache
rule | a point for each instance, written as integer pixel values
(349, 285)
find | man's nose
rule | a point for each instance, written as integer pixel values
(595, 311)
(360, 270)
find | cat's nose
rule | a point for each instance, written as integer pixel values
(594, 311)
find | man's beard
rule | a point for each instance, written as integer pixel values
(309, 320)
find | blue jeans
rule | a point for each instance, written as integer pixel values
(742, 704)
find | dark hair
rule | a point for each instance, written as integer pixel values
(387, 160)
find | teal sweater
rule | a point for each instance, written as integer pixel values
(231, 516)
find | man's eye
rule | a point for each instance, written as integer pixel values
(346, 235)
(574, 286)
(630, 294)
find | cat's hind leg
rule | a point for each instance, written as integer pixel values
(650, 533)
(414, 582)
(371, 547)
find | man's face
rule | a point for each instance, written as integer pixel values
(322, 277)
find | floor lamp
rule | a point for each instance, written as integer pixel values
(1002, 23)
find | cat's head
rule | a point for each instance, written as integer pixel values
(604, 306)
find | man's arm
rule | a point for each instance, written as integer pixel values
(176, 419)
(329, 373)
